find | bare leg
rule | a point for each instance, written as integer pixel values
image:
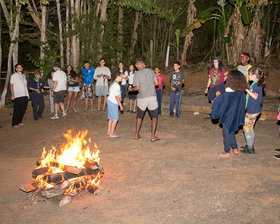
(104, 103)
(70, 93)
(154, 127)
(56, 107)
(109, 127)
(75, 100)
(130, 104)
(91, 104)
(86, 103)
(113, 127)
(61, 106)
(99, 102)
(138, 126)
(135, 105)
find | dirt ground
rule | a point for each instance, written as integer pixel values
(178, 179)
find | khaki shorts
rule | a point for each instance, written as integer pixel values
(149, 103)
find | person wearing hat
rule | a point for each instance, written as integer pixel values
(216, 79)
(245, 66)
(59, 90)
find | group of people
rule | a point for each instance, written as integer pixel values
(226, 91)
(236, 96)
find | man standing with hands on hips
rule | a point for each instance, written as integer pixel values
(145, 81)
(19, 95)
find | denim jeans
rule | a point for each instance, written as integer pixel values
(175, 97)
(123, 88)
(50, 83)
(229, 140)
(38, 105)
(159, 99)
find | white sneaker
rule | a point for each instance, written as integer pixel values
(64, 114)
(55, 117)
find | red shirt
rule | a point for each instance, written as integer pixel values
(220, 75)
(161, 79)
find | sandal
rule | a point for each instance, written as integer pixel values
(155, 139)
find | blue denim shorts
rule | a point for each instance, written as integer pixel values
(113, 111)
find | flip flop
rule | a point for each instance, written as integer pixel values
(114, 137)
(221, 154)
(136, 138)
(155, 139)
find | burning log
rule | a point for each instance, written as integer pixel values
(57, 191)
(29, 187)
(62, 176)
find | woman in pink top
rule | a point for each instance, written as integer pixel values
(161, 80)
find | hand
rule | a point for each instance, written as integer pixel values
(129, 89)
(121, 108)
(38, 91)
(12, 97)
(173, 89)
(52, 93)
(206, 90)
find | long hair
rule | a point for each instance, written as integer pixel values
(260, 75)
(220, 67)
(236, 81)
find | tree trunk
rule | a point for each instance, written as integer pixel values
(120, 36)
(151, 52)
(103, 18)
(10, 55)
(77, 14)
(134, 35)
(68, 50)
(43, 31)
(0, 46)
(74, 37)
(188, 37)
(60, 34)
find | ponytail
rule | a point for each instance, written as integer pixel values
(260, 75)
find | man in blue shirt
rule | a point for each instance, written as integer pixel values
(87, 75)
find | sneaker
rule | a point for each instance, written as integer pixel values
(134, 111)
(277, 150)
(277, 156)
(66, 111)
(16, 126)
(20, 124)
(74, 110)
(55, 117)
(64, 114)
(129, 111)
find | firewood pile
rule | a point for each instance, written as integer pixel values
(54, 179)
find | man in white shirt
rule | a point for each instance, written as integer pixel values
(101, 75)
(59, 90)
(19, 95)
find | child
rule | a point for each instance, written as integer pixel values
(131, 94)
(177, 79)
(36, 85)
(229, 108)
(253, 105)
(245, 65)
(113, 102)
(161, 80)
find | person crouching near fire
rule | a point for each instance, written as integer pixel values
(113, 104)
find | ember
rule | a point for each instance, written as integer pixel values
(67, 170)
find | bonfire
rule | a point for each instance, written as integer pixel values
(68, 170)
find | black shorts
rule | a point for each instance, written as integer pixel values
(58, 97)
(152, 113)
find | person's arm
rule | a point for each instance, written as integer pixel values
(35, 90)
(119, 102)
(172, 88)
(135, 88)
(108, 74)
(54, 84)
(208, 85)
(252, 94)
(12, 91)
(225, 76)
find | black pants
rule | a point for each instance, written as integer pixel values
(20, 106)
